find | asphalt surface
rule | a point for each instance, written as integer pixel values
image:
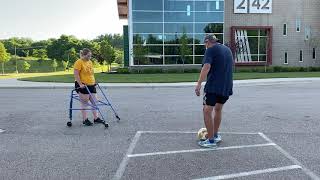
(37, 144)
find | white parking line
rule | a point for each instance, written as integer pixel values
(199, 150)
(250, 173)
(125, 160)
(194, 132)
(294, 160)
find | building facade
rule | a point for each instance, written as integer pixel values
(259, 32)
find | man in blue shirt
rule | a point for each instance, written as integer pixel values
(217, 69)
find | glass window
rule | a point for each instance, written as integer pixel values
(253, 44)
(286, 58)
(145, 55)
(263, 32)
(208, 28)
(141, 50)
(147, 27)
(263, 45)
(298, 25)
(313, 53)
(178, 60)
(254, 58)
(176, 50)
(175, 38)
(147, 16)
(263, 58)
(199, 49)
(155, 50)
(146, 5)
(252, 32)
(147, 39)
(285, 29)
(301, 56)
(149, 60)
(200, 37)
(178, 17)
(307, 33)
(209, 17)
(178, 27)
(209, 6)
(198, 59)
(170, 5)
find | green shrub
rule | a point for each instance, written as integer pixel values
(192, 70)
(151, 71)
(173, 71)
(123, 71)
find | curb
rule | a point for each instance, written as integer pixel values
(237, 83)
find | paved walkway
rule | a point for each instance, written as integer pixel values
(14, 83)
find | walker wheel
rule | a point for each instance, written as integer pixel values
(106, 125)
(69, 124)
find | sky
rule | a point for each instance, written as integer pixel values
(44, 19)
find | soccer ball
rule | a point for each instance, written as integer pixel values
(202, 134)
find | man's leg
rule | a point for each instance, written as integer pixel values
(217, 117)
(207, 114)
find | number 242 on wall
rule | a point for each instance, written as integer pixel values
(253, 6)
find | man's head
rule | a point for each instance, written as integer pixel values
(210, 40)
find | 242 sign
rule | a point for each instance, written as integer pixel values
(253, 6)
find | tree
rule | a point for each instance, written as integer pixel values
(115, 40)
(71, 55)
(19, 43)
(40, 53)
(184, 49)
(58, 47)
(54, 65)
(65, 65)
(4, 56)
(26, 66)
(107, 53)
(119, 56)
(140, 51)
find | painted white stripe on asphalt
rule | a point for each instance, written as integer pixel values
(294, 160)
(250, 173)
(199, 150)
(2, 130)
(125, 159)
(194, 132)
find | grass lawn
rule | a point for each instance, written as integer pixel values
(33, 75)
(164, 78)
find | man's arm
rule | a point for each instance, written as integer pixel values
(203, 75)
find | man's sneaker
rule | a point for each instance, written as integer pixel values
(217, 139)
(207, 144)
(87, 122)
(98, 120)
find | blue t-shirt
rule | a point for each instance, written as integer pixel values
(220, 77)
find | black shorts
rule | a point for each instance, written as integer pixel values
(210, 99)
(84, 90)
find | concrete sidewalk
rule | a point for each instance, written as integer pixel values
(16, 84)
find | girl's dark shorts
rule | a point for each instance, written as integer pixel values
(84, 90)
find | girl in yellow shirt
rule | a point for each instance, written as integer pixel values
(84, 76)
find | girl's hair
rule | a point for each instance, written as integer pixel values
(85, 52)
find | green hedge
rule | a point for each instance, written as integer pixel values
(237, 70)
(277, 69)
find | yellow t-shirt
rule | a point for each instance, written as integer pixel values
(86, 72)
